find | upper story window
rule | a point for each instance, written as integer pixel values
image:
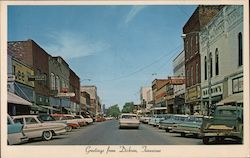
(240, 46)
(192, 77)
(57, 83)
(211, 64)
(216, 62)
(205, 67)
(197, 73)
(52, 81)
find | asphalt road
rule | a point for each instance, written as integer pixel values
(108, 133)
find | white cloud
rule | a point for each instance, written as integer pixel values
(71, 45)
(133, 12)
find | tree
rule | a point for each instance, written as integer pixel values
(128, 107)
(113, 111)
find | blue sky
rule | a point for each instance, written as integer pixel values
(117, 47)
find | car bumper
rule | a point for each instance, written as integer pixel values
(129, 125)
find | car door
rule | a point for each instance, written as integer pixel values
(32, 127)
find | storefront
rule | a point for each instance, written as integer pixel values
(192, 100)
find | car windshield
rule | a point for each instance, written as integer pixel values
(56, 117)
(40, 119)
(46, 118)
(128, 116)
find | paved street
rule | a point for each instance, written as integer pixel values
(108, 133)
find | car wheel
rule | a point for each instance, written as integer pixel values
(205, 140)
(47, 135)
(68, 128)
(183, 134)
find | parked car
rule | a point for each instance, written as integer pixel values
(49, 118)
(167, 116)
(88, 120)
(145, 119)
(227, 122)
(129, 120)
(191, 125)
(34, 127)
(168, 123)
(100, 119)
(81, 121)
(151, 120)
(71, 123)
(15, 132)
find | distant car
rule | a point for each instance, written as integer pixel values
(155, 121)
(129, 120)
(15, 132)
(191, 125)
(71, 123)
(100, 119)
(88, 120)
(168, 123)
(36, 128)
(145, 119)
(48, 118)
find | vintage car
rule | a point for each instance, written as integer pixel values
(88, 120)
(174, 119)
(156, 119)
(71, 123)
(167, 116)
(36, 128)
(15, 132)
(227, 122)
(191, 125)
(81, 121)
(145, 119)
(129, 121)
(48, 118)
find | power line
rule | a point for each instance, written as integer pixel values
(144, 67)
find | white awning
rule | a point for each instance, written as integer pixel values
(51, 108)
(237, 98)
(159, 108)
(15, 99)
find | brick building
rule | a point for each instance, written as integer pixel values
(201, 16)
(74, 86)
(35, 57)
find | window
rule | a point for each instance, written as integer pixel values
(14, 70)
(58, 83)
(187, 78)
(187, 48)
(240, 49)
(52, 79)
(196, 40)
(191, 45)
(197, 73)
(205, 67)
(30, 120)
(216, 62)
(192, 77)
(18, 120)
(211, 64)
(45, 81)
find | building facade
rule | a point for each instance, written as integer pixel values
(146, 96)
(31, 54)
(201, 16)
(179, 91)
(74, 87)
(59, 81)
(92, 91)
(222, 57)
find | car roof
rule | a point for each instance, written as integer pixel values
(22, 116)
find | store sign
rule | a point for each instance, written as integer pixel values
(11, 78)
(65, 94)
(238, 85)
(177, 81)
(37, 78)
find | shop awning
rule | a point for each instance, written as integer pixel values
(15, 99)
(159, 108)
(234, 98)
(50, 108)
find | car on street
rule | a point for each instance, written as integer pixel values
(71, 123)
(129, 121)
(34, 127)
(145, 119)
(174, 119)
(191, 125)
(15, 132)
(88, 120)
(49, 118)
(81, 121)
(227, 122)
